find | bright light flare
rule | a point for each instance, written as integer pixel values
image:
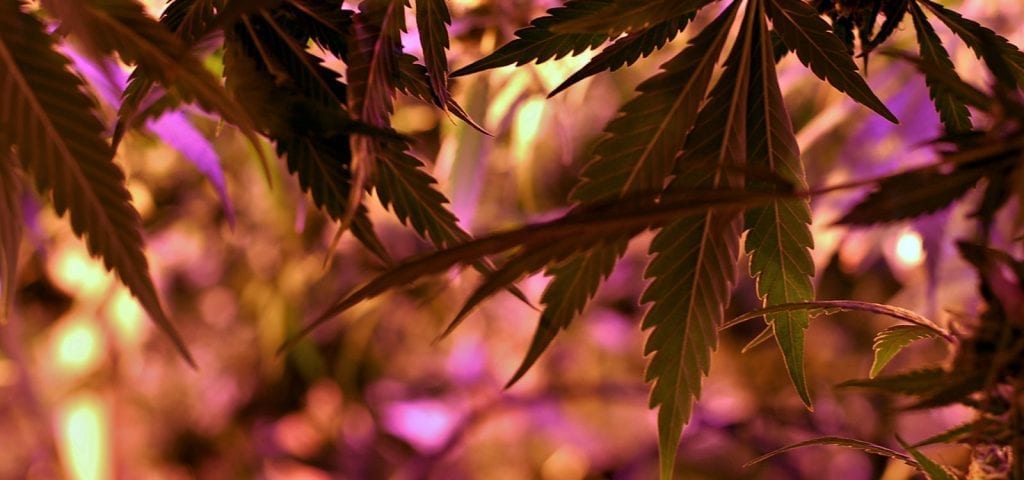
(910, 249)
(78, 345)
(85, 438)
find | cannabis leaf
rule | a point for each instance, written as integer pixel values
(779, 237)
(432, 20)
(913, 193)
(932, 470)
(953, 113)
(621, 16)
(628, 49)
(637, 155)
(894, 339)
(694, 264)
(868, 447)
(806, 33)
(829, 307)
(10, 224)
(916, 382)
(540, 43)
(1004, 59)
(51, 121)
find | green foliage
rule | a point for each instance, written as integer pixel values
(699, 156)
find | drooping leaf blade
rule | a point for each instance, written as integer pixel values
(432, 20)
(628, 49)
(59, 141)
(953, 113)
(893, 340)
(637, 155)
(868, 447)
(779, 240)
(911, 194)
(818, 48)
(694, 260)
(1004, 59)
(539, 43)
(629, 16)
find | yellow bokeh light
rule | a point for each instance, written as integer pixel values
(77, 346)
(74, 271)
(84, 439)
(910, 249)
(126, 317)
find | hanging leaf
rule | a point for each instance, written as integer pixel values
(867, 447)
(1004, 59)
(59, 142)
(694, 264)
(414, 80)
(818, 48)
(540, 43)
(637, 155)
(982, 428)
(622, 16)
(892, 340)
(628, 49)
(432, 20)
(10, 225)
(931, 469)
(912, 194)
(779, 240)
(953, 113)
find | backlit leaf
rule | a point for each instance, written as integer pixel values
(868, 447)
(818, 48)
(932, 470)
(953, 113)
(829, 307)
(779, 240)
(694, 265)
(1001, 56)
(59, 142)
(894, 339)
(432, 20)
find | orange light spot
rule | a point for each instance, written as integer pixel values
(84, 440)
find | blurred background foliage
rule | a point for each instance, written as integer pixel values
(89, 389)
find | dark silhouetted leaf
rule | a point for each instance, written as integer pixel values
(807, 34)
(10, 225)
(917, 382)
(59, 142)
(539, 43)
(432, 20)
(414, 80)
(911, 194)
(892, 340)
(779, 240)
(628, 49)
(953, 113)
(1001, 56)
(629, 16)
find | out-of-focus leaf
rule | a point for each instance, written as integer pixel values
(10, 224)
(953, 113)
(911, 194)
(915, 382)
(829, 307)
(867, 447)
(628, 49)
(190, 20)
(893, 340)
(932, 470)
(818, 48)
(59, 142)
(629, 16)
(326, 22)
(894, 12)
(779, 240)
(981, 428)
(694, 265)
(432, 20)
(540, 43)
(1001, 56)
(637, 155)
(952, 85)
